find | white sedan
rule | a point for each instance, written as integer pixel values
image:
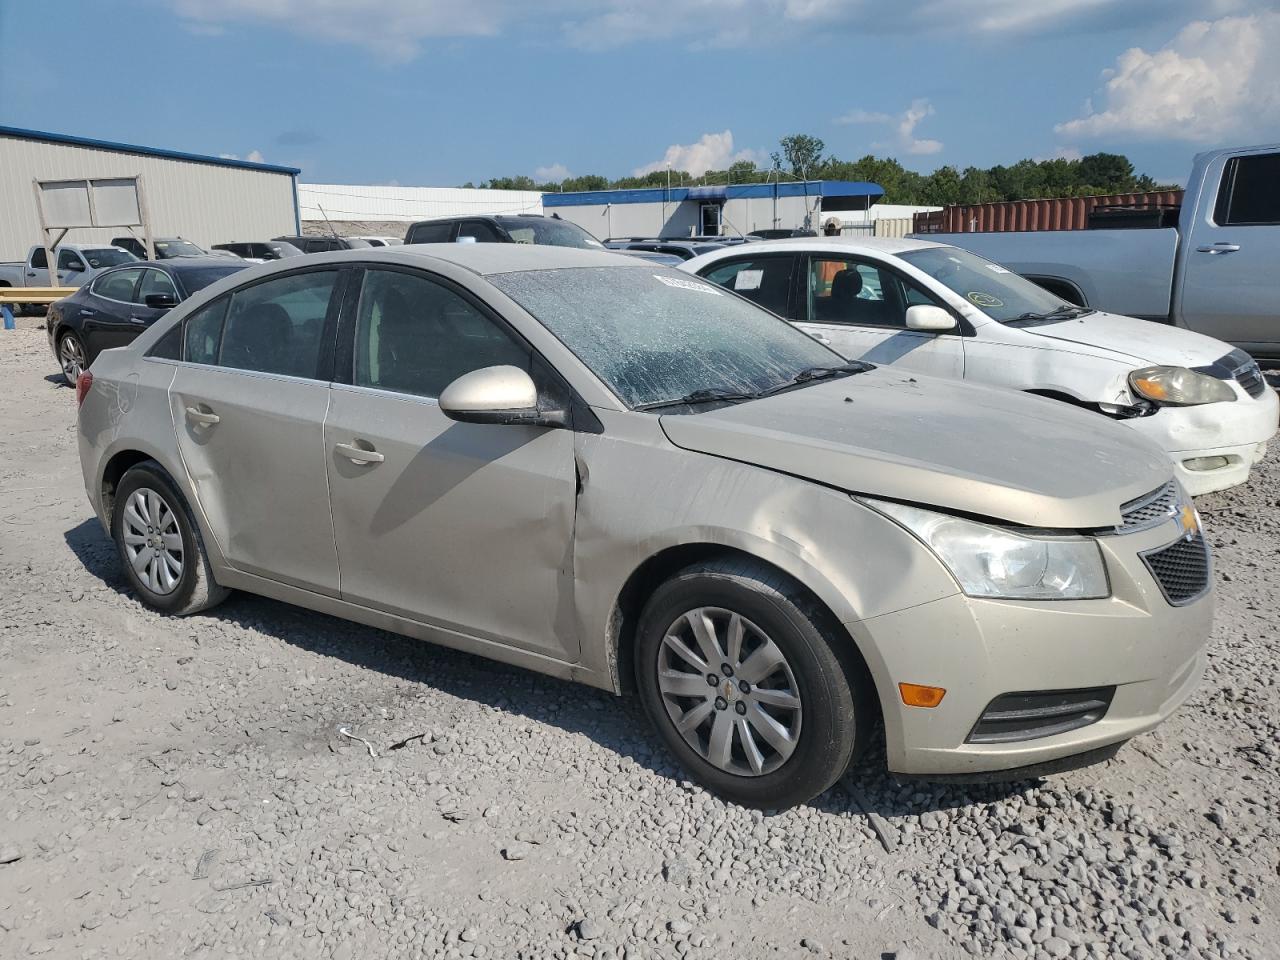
(944, 311)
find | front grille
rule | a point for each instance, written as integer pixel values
(1040, 713)
(1149, 510)
(1181, 569)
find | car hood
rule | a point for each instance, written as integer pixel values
(960, 446)
(1140, 341)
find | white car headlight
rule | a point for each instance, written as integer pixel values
(1179, 386)
(992, 562)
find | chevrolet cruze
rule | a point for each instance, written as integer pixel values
(620, 474)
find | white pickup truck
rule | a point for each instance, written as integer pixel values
(1215, 272)
(77, 263)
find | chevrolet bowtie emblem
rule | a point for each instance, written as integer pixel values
(1188, 520)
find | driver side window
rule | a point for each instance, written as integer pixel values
(416, 336)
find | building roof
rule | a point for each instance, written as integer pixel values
(21, 134)
(735, 191)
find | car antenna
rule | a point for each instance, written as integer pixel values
(327, 223)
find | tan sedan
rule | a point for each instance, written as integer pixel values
(613, 472)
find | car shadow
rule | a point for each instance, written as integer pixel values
(618, 724)
(58, 380)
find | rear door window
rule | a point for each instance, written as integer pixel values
(763, 280)
(1250, 191)
(277, 326)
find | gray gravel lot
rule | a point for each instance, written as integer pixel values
(180, 788)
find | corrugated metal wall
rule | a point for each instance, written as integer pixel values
(343, 201)
(896, 227)
(1059, 213)
(202, 202)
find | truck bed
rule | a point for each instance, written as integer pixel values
(1121, 271)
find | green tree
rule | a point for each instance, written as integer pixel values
(802, 153)
(1108, 172)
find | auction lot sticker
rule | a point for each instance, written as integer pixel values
(980, 299)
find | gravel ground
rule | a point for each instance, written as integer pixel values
(180, 788)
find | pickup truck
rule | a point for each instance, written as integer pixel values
(77, 263)
(1215, 272)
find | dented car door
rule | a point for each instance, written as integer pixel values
(466, 526)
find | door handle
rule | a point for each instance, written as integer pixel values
(1220, 247)
(136, 320)
(31, 273)
(358, 454)
(202, 417)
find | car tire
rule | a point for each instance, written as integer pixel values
(159, 544)
(72, 357)
(819, 696)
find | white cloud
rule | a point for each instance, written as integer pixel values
(253, 156)
(903, 127)
(1063, 153)
(1215, 79)
(557, 171)
(712, 151)
(396, 29)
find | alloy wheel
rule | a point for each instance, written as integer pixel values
(729, 691)
(71, 355)
(153, 541)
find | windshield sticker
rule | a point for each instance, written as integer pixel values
(996, 268)
(980, 299)
(748, 280)
(688, 285)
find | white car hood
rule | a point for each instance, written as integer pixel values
(1140, 341)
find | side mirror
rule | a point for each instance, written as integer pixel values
(504, 395)
(929, 318)
(465, 240)
(161, 301)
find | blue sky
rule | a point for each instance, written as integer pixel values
(438, 92)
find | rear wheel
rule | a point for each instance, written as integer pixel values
(71, 355)
(159, 543)
(739, 670)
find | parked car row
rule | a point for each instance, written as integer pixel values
(782, 548)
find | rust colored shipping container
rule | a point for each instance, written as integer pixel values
(1058, 213)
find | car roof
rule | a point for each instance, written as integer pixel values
(192, 263)
(482, 259)
(841, 245)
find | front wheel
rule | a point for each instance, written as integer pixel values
(739, 670)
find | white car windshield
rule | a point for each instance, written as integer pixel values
(998, 292)
(655, 335)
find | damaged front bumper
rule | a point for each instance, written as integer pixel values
(1213, 446)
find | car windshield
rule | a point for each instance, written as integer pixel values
(555, 233)
(177, 248)
(107, 257)
(654, 334)
(999, 293)
(200, 277)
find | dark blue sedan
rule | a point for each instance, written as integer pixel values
(118, 304)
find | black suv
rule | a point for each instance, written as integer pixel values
(525, 228)
(167, 248)
(324, 244)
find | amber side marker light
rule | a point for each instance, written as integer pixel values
(918, 695)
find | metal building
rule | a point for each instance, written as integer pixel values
(206, 200)
(723, 210)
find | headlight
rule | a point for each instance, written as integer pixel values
(1179, 386)
(991, 562)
